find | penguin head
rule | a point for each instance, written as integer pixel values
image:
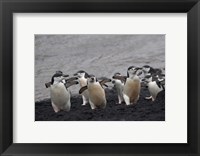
(81, 74)
(146, 68)
(147, 79)
(132, 71)
(161, 80)
(61, 73)
(117, 74)
(131, 68)
(161, 77)
(113, 79)
(139, 71)
(92, 79)
(58, 77)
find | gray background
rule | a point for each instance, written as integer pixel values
(101, 55)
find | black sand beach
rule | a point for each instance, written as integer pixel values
(144, 110)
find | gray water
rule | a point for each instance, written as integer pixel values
(101, 55)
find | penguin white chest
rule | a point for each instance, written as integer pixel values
(154, 89)
(97, 95)
(131, 90)
(85, 94)
(83, 82)
(60, 96)
(119, 85)
(119, 88)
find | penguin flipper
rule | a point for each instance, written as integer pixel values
(158, 84)
(48, 84)
(122, 78)
(105, 85)
(71, 79)
(102, 82)
(83, 89)
(68, 84)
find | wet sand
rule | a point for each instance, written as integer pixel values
(144, 110)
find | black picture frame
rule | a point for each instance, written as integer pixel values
(8, 7)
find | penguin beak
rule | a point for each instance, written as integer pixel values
(75, 74)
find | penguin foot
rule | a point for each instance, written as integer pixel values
(55, 108)
(84, 103)
(148, 98)
(85, 100)
(92, 108)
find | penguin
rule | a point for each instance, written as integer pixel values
(132, 86)
(161, 80)
(154, 87)
(82, 77)
(148, 70)
(119, 85)
(48, 84)
(60, 95)
(97, 97)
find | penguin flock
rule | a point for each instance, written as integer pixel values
(92, 89)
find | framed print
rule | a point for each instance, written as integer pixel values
(101, 77)
(105, 49)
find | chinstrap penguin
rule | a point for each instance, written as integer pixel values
(60, 95)
(82, 77)
(154, 87)
(97, 97)
(118, 85)
(131, 89)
